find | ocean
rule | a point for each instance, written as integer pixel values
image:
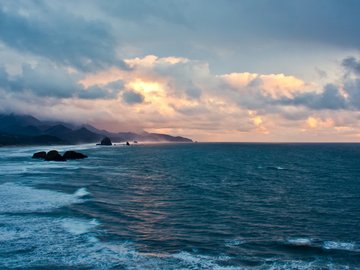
(182, 206)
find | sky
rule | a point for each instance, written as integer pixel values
(211, 70)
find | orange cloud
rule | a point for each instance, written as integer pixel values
(276, 85)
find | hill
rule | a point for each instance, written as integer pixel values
(27, 130)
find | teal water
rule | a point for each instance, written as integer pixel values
(182, 206)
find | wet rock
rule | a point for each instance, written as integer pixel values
(106, 141)
(74, 155)
(54, 155)
(39, 155)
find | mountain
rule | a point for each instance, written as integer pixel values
(83, 135)
(58, 130)
(10, 139)
(27, 130)
(7, 120)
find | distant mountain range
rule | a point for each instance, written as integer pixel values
(27, 130)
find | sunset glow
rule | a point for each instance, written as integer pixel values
(126, 79)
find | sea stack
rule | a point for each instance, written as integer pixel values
(106, 141)
(41, 154)
(74, 155)
(54, 155)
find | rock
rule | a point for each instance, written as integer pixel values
(41, 154)
(106, 141)
(73, 155)
(127, 143)
(54, 155)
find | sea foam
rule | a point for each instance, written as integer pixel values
(16, 198)
(301, 241)
(350, 246)
(77, 226)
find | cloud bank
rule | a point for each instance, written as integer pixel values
(186, 68)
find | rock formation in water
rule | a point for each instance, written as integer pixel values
(73, 155)
(106, 141)
(54, 155)
(41, 154)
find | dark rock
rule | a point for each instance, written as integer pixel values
(41, 154)
(54, 155)
(73, 155)
(106, 141)
(127, 143)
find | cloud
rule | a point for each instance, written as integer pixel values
(38, 28)
(329, 99)
(131, 97)
(352, 65)
(240, 68)
(48, 80)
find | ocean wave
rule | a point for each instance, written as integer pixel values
(234, 242)
(44, 241)
(327, 245)
(23, 199)
(198, 261)
(31, 242)
(349, 246)
(301, 241)
(82, 192)
(76, 226)
(39, 167)
(275, 168)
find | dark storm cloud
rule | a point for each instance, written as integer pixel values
(57, 35)
(323, 21)
(143, 10)
(85, 34)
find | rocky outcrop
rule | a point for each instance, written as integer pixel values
(54, 155)
(73, 155)
(41, 154)
(106, 141)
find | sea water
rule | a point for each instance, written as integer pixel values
(182, 206)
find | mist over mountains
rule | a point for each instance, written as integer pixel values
(28, 130)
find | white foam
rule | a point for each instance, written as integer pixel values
(300, 241)
(197, 261)
(79, 226)
(234, 242)
(340, 245)
(23, 199)
(46, 241)
(38, 167)
(82, 192)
